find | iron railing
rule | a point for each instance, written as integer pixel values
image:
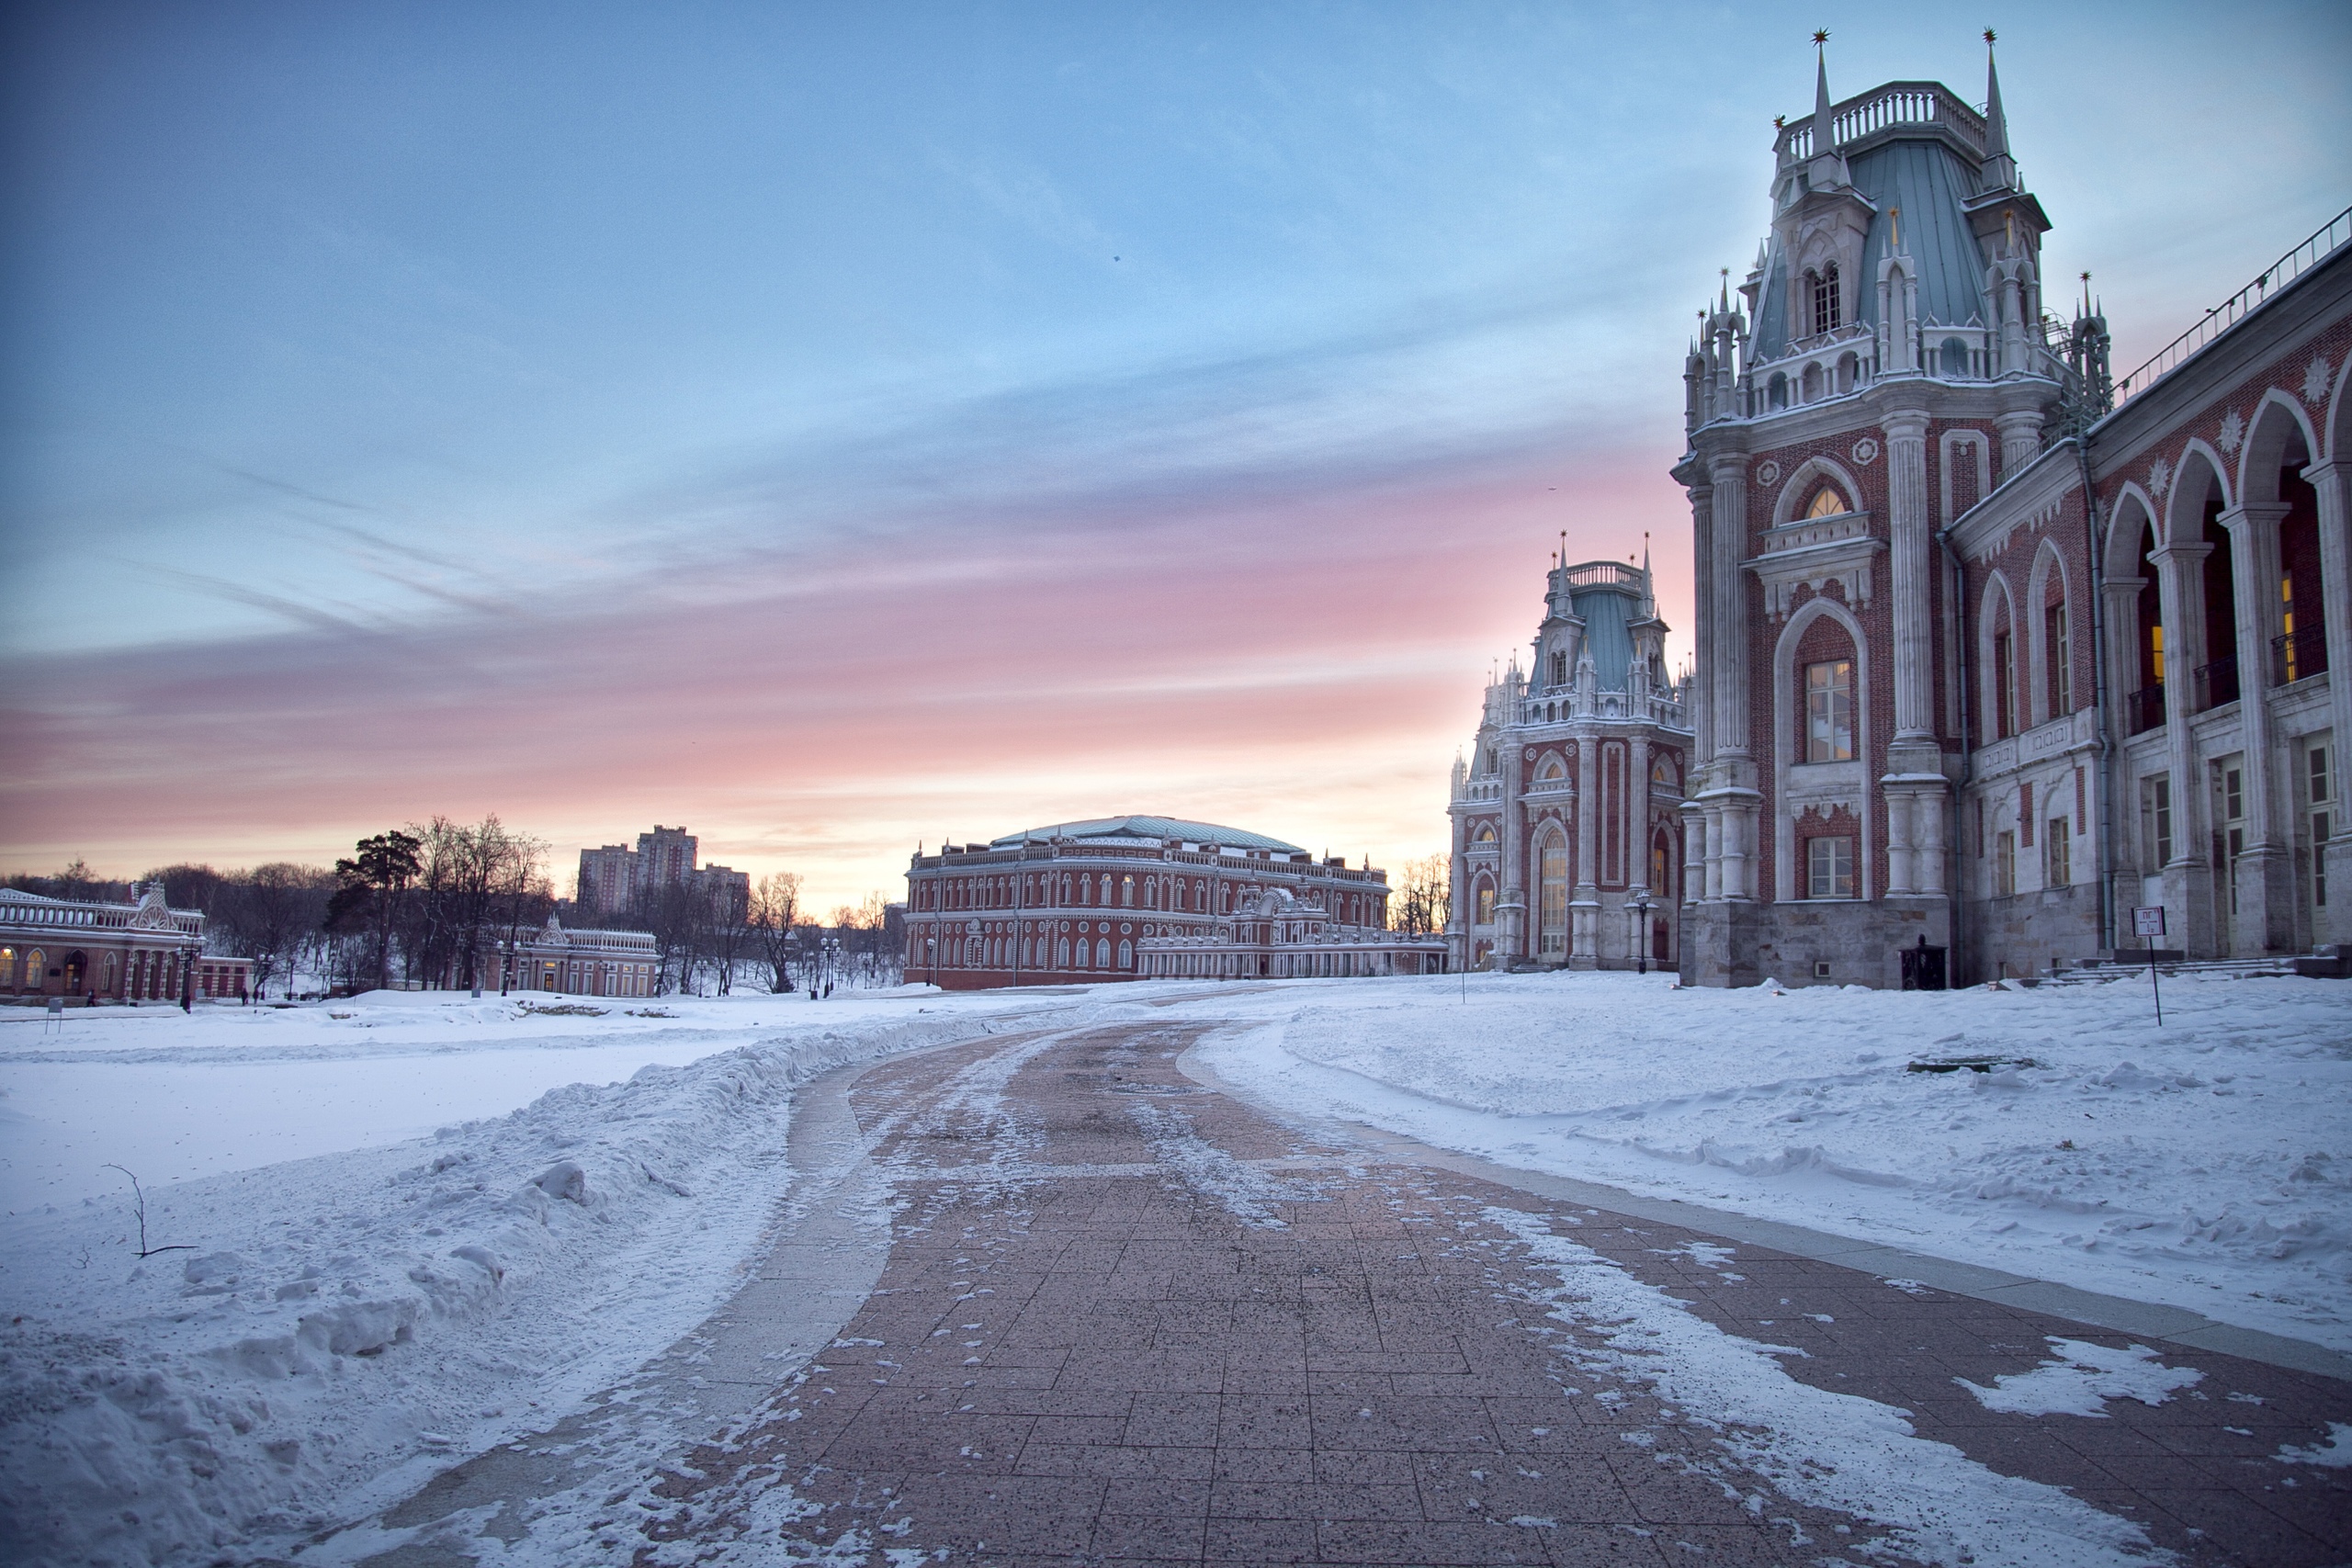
(2297, 655)
(2238, 306)
(2217, 682)
(2144, 709)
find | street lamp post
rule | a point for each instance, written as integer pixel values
(1642, 934)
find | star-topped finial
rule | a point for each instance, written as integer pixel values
(1989, 37)
(1820, 37)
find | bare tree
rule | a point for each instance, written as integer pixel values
(776, 906)
(727, 914)
(1424, 898)
(269, 915)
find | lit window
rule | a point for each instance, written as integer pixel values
(1830, 711)
(1555, 898)
(1829, 867)
(1828, 503)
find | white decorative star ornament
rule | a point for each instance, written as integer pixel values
(2233, 434)
(2315, 381)
(2159, 478)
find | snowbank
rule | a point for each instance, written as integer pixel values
(2206, 1164)
(337, 1326)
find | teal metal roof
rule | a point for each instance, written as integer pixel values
(1931, 184)
(1154, 828)
(1605, 613)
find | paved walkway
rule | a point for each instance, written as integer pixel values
(1124, 1318)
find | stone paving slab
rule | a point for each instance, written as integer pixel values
(1069, 1305)
(1123, 1323)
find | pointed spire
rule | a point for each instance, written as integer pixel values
(1823, 137)
(2000, 168)
(1827, 169)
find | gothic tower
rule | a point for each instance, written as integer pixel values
(1884, 365)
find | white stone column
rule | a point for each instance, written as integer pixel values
(1910, 525)
(2266, 870)
(1928, 860)
(2333, 484)
(1703, 634)
(1709, 836)
(1727, 606)
(2021, 434)
(2188, 875)
(1898, 841)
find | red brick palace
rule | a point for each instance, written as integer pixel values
(1121, 897)
(1992, 648)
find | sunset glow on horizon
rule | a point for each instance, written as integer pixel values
(833, 437)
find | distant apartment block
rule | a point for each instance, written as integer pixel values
(614, 878)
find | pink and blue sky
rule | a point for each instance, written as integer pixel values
(836, 427)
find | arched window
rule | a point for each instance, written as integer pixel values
(1102, 954)
(36, 964)
(1106, 888)
(1485, 834)
(1828, 501)
(1550, 771)
(1825, 314)
(1662, 864)
(1062, 962)
(1485, 902)
(1554, 883)
(1126, 955)
(1776, 391)
(1127, 891)
(1955, 359)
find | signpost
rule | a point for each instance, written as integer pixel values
(2147, 924)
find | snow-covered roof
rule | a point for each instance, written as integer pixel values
(1152, 827)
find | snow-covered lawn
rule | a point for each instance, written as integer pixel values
(429, 1225)
(337, 1326)
(2206, 1164)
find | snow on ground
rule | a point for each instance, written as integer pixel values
(2206, 1164)
(415, 1225)
(333, 1328)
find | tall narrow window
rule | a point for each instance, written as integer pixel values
(1555, 898)
(1830, 711)
(2059, 650)
(1829, 867)
(1486, 904)
(1559, 667)
(2005, 864)
(2233, 834)
(2057, 853)
(2322, 823)
(2004, 685)
(1825, 298)
(2155, 812)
